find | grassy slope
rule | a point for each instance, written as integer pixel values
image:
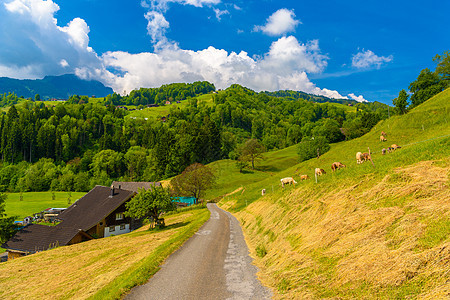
(34, 202)
(379, 231)
(160, 111)
(99, 269)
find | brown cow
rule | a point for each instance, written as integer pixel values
(395, 146)
(337, 165)
(319, 172)
(366, 156)
(304, 177)
(382, 138)
(383, 133)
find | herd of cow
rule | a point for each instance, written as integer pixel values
(360, 158)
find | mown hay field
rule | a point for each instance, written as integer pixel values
(370, 231)
(99, 269)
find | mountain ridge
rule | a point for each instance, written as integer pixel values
(62, 86)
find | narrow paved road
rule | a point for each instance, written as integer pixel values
(213, 264)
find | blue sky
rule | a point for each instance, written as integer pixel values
(364, 50)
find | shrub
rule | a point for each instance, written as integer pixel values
(307, 149)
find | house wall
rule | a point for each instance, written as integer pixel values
(117, 230)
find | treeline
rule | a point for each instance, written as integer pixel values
(427, 84)
(73, 147)
(168, 92)
(305, 96)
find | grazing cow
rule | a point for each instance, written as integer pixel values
(383, 133)
(337, 165)
(319, 172)
(383, 151)
(304, 177)
(287, 180)
(359, 158)
(367, 156)
(263, 192)
(382, 138)
(395, 146)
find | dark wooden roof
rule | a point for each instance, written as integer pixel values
(134, 186)
(93, 207)
(35, 237)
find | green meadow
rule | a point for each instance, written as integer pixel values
(164, 110)
(34, 202)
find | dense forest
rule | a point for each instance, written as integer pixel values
(74, 146)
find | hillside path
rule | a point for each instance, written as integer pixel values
(212, 264)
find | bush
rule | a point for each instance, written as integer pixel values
(307, 149)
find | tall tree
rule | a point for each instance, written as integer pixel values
(401, 102)
(425, 86)
(194, 181)
(443, 67)
(7, 226)
(251, 151)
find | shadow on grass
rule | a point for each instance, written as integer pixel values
(246, 172)
(268, 169)
(156, 229)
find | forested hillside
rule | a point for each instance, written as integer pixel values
(72, 147)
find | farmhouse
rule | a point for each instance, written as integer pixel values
(99, 213)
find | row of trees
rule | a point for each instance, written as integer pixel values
(426, 85)
(171, 92)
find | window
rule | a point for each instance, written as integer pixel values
(112, 228)
(119, 216)
(122, 227)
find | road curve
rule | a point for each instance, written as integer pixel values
(213, 264)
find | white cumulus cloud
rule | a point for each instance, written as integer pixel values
(367, 59)
(359, 98)
(35, 46)
(279, 23)
(284, 66)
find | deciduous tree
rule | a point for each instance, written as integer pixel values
(194, 181)
(251, 151)
(149, 203)
(401, 102)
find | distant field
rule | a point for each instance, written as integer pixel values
(160, 111)
(34, 202)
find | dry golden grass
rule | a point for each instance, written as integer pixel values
(79, 271)
(371, 240)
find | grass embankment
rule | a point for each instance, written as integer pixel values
(366, 231)
(98, 269)
(34, 202)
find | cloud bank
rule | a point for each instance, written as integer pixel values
(279, 23)
(36, 46)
